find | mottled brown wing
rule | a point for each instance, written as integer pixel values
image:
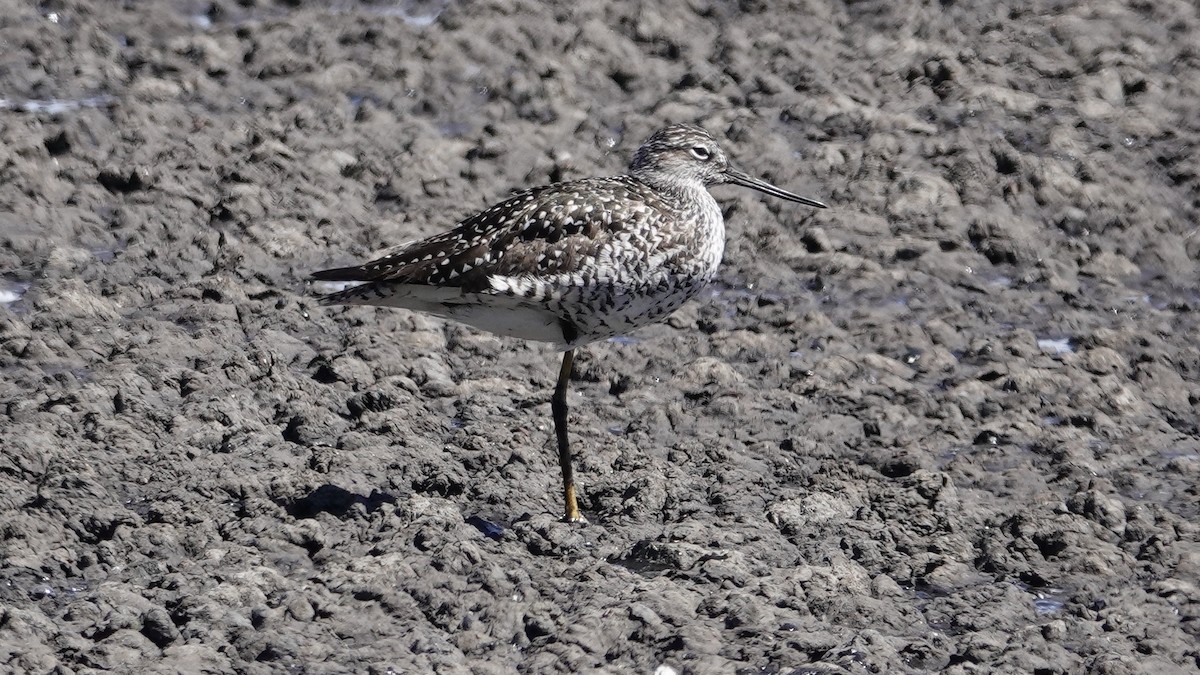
(419, 262)
(543, 231)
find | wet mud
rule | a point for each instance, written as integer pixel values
(949, 424)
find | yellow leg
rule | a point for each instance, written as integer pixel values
(558, 405)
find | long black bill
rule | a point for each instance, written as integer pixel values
(736, 177)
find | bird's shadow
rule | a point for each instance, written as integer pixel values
(335, 501)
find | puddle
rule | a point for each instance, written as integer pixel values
(1174, 299)
(1162, 495)
(63, 590)
(415, 13)
(1047, 601)
(1179, 454)
(610, 137)
(11, 291)
(993, 451)
(105, 254)
(205, 15)
(489, 529)
(56, 106)
(1047, 605)
(947, 458)
(1056, 346)
(1158, 290)
(455, 128)
(324, 287)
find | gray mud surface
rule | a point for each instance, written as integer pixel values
(948, 424)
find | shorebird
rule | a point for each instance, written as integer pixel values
(573, 262)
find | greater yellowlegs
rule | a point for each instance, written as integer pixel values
(573, 262)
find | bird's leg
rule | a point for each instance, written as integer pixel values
(558, 405)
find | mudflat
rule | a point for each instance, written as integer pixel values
(950, 423)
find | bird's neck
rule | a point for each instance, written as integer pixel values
(682, 190)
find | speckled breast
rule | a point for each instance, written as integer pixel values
(644, 294)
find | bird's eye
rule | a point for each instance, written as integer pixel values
(701, 153)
